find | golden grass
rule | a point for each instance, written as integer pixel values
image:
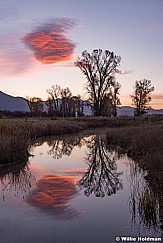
(144, 140)
(13, 144)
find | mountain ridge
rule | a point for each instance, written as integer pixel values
(11, 103)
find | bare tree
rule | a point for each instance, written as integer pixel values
(61, 102)
(112, 99)
(141, 96)
(35, 105)
(99, 68)
(53, 99)
(66, 96)
(76, 106)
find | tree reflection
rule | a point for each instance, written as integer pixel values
(101, 177)
(64, 146)
(17, 179)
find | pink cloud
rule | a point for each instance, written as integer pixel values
(49, 42)
(158, 97)
(125, 72)
(14, 60)
(157, 101)
(70, 65)
(14, 63)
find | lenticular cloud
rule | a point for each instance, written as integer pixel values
(49, 42)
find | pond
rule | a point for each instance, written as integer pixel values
(76, 188)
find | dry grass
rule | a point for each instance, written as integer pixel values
(13, 144)
(138, 141)
(35, 127)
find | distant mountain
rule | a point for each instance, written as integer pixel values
(125, 111)
(155, 112)
(129, 111)
(10, 103)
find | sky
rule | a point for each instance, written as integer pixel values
(40, 40)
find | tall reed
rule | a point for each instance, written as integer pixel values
(13, 144)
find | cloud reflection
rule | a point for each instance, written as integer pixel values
(53, 194)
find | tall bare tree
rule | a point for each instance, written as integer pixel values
(53, 100)
(99, 68)
(141, 96)
(77, 105)
(113, 97)
(35, 105)
(66, 96)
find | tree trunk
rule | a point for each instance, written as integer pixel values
(97, 110)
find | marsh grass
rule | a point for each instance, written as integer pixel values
(13, 144)
(145, 207)
(144, 145)
(148, 209)
(144, 142)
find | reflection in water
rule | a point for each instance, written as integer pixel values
(64, 146)
(146, 204)
(17, 179)
(53, 194)
(101, 177)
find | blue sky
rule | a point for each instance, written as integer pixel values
(132, 29)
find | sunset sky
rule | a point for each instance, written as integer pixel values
(40, 40)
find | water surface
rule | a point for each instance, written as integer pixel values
(74, 189)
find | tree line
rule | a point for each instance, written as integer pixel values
(99, 68)
(60, 103)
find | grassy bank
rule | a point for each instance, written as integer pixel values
(13, 144)
(144, 144)
(144, 141)
(16, 133)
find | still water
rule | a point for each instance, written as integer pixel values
(74, 189)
